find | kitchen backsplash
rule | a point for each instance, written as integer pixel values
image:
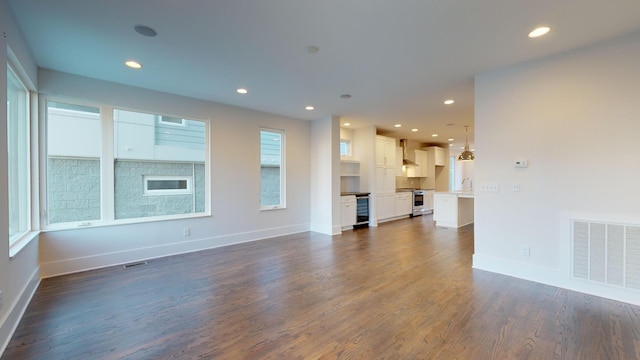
(405, 182)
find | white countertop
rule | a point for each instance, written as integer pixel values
(460, 194)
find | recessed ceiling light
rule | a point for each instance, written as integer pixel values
(133, 64)
(309, 108)
(414, 130)
(145, 30)
(345, 96)
(312, 49)
(461, 147)
(347, 124)
(434, 135)
(451, 139)
(449, 102)
(539, 32)
(397, 125)
(450, 144)
(450, 124)
(242, 91)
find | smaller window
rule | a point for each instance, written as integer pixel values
(173, 121)
(345, 147)
(167, 185)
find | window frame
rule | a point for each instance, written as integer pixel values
(282, 204)
(23, 237)
(162, 192)
(107, 166)
(161, 121)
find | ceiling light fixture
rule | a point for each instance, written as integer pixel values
(397, 125)
(449, 102)
(133, 64)
(537, 32)
(242, 91)
(451, 139)
(434, 135)
(414, 130)
(309, 108)
(466, 154)
(347, 124)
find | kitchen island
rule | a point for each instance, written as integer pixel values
(453, 209)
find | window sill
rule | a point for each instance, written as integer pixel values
(21, 243)
(99, 223)
(270, 208)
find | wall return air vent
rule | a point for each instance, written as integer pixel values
(607, 253)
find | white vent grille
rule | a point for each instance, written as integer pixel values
(606, 252)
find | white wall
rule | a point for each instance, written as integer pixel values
(325, 175)
(235, 182)
(575, 117)
(19, 275)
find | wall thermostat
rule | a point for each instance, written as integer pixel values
(521, 163)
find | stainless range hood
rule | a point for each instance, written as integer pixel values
(405, 160)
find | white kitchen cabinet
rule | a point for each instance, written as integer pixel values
(439, 156)
(385, 151)
(385, 206)
(428, 201)
(404, 203)
(453, 209)
(421, 159)
(385, 180)
(348, 208)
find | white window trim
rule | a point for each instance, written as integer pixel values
(283, 185)
(161, 121)
(20, 242)
(107, 192)
(161, 192)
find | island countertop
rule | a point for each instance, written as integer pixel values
(453, 208)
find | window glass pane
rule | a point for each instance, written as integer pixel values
(271, 164)
(345, 148)
(18, 156)
(159, 167)
(73, 162)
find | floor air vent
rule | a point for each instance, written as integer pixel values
(128, 266)
(606, 252)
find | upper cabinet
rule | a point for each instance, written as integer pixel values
(422, 162)
(440, 158)
(385, 151)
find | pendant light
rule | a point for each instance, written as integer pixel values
(466, 154)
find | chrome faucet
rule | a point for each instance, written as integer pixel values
(470, 183)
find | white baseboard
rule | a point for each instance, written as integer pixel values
(14, 315)
(554, 277)
(97, 261)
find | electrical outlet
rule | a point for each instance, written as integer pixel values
(525, 250)
(490, 187)
(186, 231)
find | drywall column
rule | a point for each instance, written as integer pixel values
(325, 175)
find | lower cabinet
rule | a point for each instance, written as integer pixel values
(404, 203)
(385, 206)
(348, 208)
(428, 201)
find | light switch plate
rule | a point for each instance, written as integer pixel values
(490, 187)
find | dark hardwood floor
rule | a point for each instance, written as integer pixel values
(404, 290)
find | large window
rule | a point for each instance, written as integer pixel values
(73, 163)
(18, 157)
(109, 165)
(159, 165)
(271, 169)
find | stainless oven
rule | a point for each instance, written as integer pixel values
(418, 203)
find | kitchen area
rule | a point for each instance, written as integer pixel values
(399, 179)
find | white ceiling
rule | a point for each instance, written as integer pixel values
(399, 59)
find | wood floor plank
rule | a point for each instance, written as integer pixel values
(403, 290)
